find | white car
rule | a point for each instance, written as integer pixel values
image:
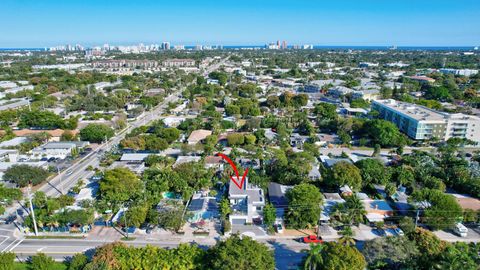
(399, 232)
(279, 228)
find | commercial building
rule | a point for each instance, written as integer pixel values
(179, 63)
(422, 123)
(58, 149)
(119, 64)
(460, 72)
(13, 104)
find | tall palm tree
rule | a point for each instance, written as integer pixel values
(347, 236)
(356, 209)
(314, 258)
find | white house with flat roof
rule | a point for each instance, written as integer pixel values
(246, 202)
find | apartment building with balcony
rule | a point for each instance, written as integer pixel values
(422, 123)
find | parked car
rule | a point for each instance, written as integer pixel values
(312, 239)
(131, 229)
(380, 232)
(460, 230)
(279, 228)
(10, 219)
(399, 232)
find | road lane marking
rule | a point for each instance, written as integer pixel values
(6, 238)
(12, 243)
(21, 240)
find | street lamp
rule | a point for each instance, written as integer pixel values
(31, 208)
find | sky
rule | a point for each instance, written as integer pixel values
(42, 23)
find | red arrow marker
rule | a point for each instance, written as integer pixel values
(239, 182)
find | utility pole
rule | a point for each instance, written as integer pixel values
(417, 217)
(125, 217)
(58, 173)
(31, 209)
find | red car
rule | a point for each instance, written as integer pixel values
(312, 239)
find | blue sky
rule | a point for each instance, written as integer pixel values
(39, 23)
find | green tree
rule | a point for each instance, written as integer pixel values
(326, 111)
(68, 135)
(169, 134)
(347, 236)
(458, 256)
(250, 139)
(78, 262)
(235, 139)
(303, 210)
(428, 245)
(24, 174)
(225, 209)
(237, 253)
(42, 262)
(171, 219)
(384, 133)
(232, 109)
(355, 210)
(210, 142)
(7, 195)
(96, 133)
(119, 185)
(444, 211)
(407, 225)
(7, 260)
(136, 215)
(269, 215)
(390, 252)
(42, 119)
(314, 259)
(372, 171)
(340, 257)
(344, 173)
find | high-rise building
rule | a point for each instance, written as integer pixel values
(165, 45)
(284, 45)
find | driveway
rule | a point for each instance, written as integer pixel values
(248, 230)
(473, 235)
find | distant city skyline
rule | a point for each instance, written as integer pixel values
(37, 24)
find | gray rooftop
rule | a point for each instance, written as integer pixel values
(276, 194)
(254, 194)
(412, 110)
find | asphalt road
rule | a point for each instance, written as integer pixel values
(288, 253)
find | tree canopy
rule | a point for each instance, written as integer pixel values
(96, 133)
(303, 206)
(22, 175)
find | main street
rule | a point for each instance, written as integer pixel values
(288, 253)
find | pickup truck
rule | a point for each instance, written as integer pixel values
(312, 239)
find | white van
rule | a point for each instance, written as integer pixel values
(460, 230)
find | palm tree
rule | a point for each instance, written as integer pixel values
(356, 209)
(347, 236)
(314, 258)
